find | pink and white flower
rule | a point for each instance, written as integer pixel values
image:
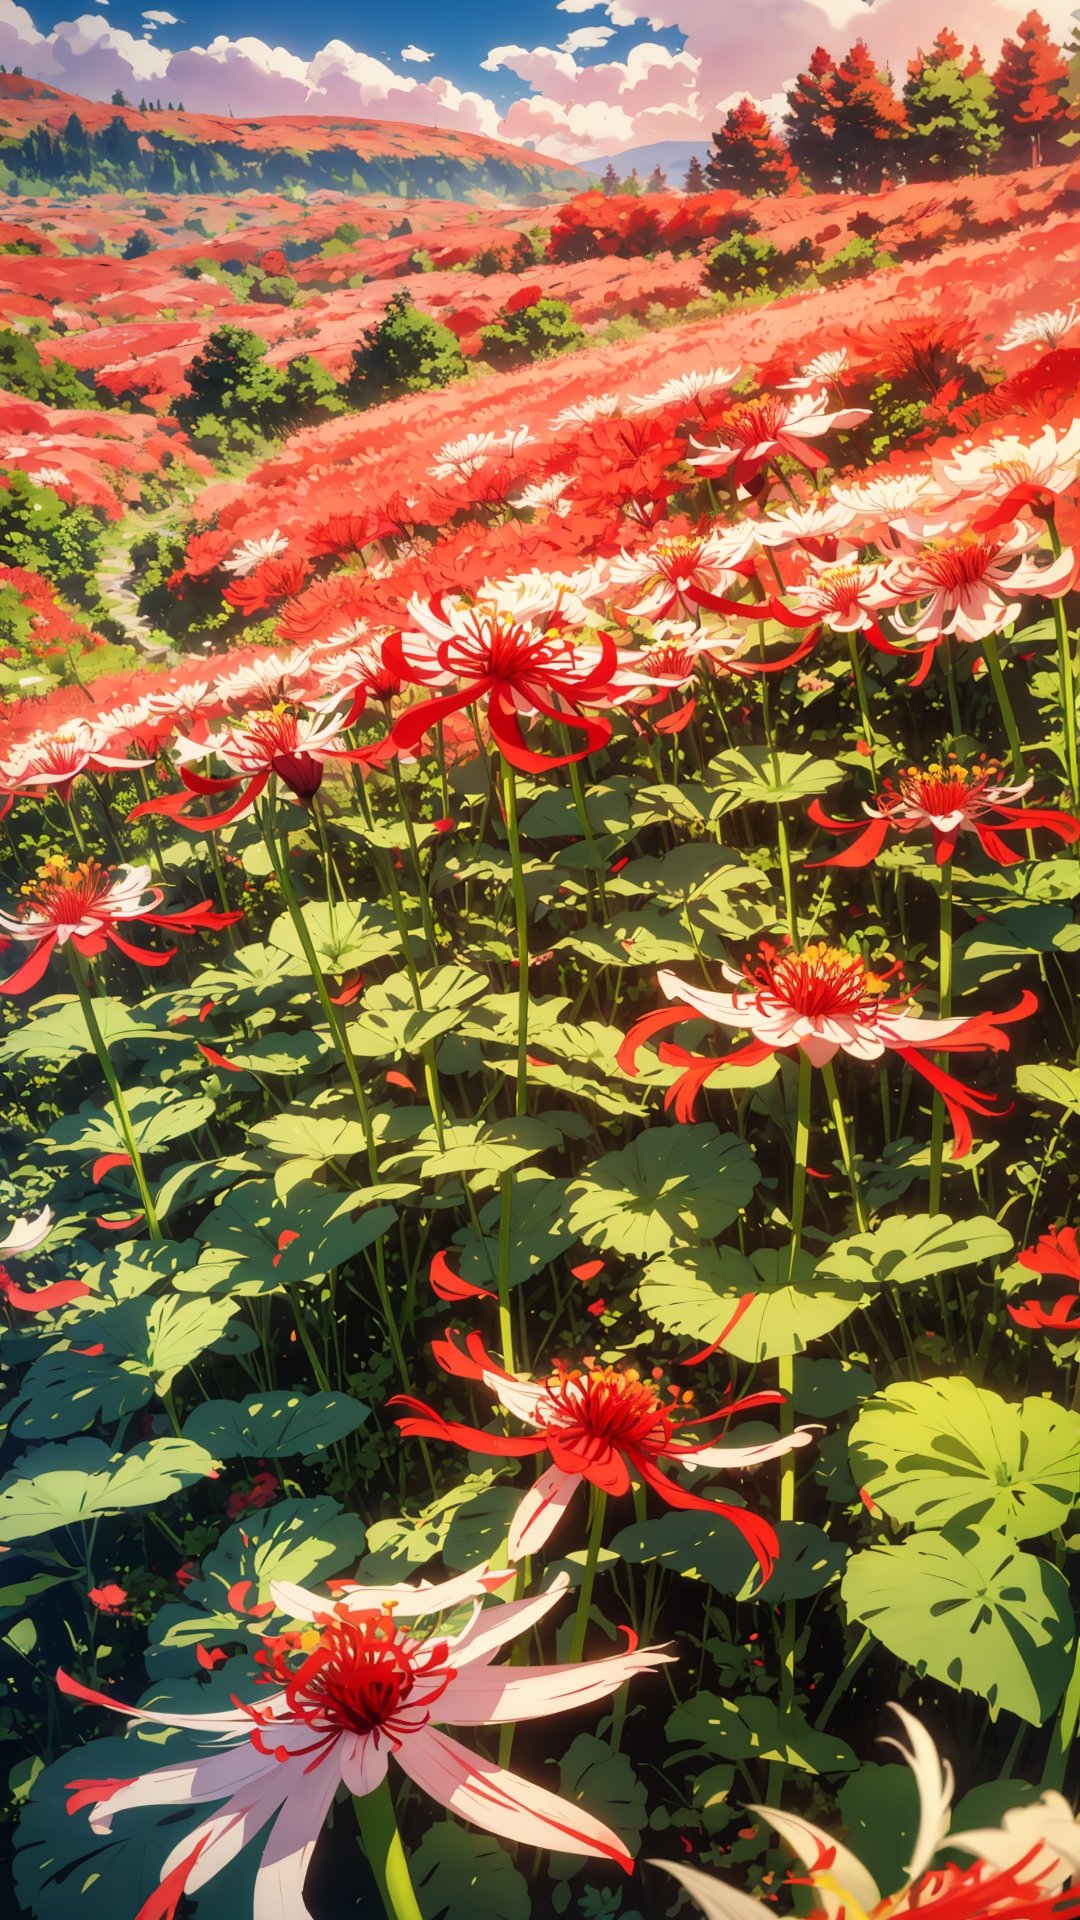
(824, 370)
(753, 432)
(28, 1232)
(685, 572)
(358, 1689)
(685, 389)
(251, 554)
(974, 584)
(1020, 1869)
(1046, 329)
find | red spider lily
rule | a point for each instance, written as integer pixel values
(947, 800)
(1056, 1252)
(57, 759)
(601, 1425)
(282, 742)
(520, 662)
(84, 905)
(820, 1002)
(1020, 1868)
(753, 432)
(355, 1690)
(687, 572)
(971, 585)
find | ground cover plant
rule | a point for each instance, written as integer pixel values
(539, 1279)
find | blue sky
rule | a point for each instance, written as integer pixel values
(576, 79)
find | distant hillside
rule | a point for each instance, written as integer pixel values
(53, 141)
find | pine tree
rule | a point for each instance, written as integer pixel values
(632, 183)
(869, 121)
(610, 181)
(748, 156)
(695, 181)
(952, 127)
(809, 121)
(1030, 90)
(657, 182)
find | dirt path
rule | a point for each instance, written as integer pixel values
(116, 581)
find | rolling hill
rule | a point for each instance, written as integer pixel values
(52, 141)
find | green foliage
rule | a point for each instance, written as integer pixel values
(745, 263)
(24, 371)
(536, 332)
(405, 352)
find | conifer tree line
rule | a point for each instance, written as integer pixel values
(847, 124)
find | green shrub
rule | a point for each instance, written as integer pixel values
(405, 352)
(532, 333)
(23, 371)
(745, 263)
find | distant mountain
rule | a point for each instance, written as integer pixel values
(50, 139)
(671, 156)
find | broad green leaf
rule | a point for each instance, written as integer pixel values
(936, 1451)
(396, 1546)
(459, 1874)
(261, 1242)
(65, 1482)
(304, 1542)
(1046, 1084)
(972, 1609)
(593, 1777)
(743, 775)
(879, 1807)
(65, 1392)
(253, 977)
(670, 1186)
(751, 1728)
(539, 1232)
(345, 936)
(58, 1036)
(907, 1249)
(704, 1546)
(698, 1293)
(389, 1023)
(272, 1425)
(158, 1116)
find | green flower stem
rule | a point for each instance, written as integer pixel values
(864, 705)
(781, 829)
(521, 917)
(785, 1380)
(588, 1578)
(945, 968)
(426, 916)
(98, 1042)
(1063, 1736)
(587, 834)
(279, 853)
(382, 1843)
(1066, 677)
(836, 1111)
(992, 657)
(219, 878)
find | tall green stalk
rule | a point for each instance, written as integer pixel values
(945, 968)
(785, 1380)
(378, 1826)
(1065, 677)
(836, 1113)
(992, 656)
(100, 1046)
(588, 1578)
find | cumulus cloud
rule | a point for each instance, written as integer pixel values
(586, 39)
(416, 53)
(155, 19)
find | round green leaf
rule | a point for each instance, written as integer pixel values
(697, 1293)
(934, 1451)
(909, 1248)
(973, 1610)
(459, 1873)
(271, 1425)
(672, 1185)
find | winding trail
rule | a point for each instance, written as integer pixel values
(116, 579)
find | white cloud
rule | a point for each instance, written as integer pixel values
(585, 39)
(416, 53)
(155, 19)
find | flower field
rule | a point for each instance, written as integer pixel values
(540, 1287)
